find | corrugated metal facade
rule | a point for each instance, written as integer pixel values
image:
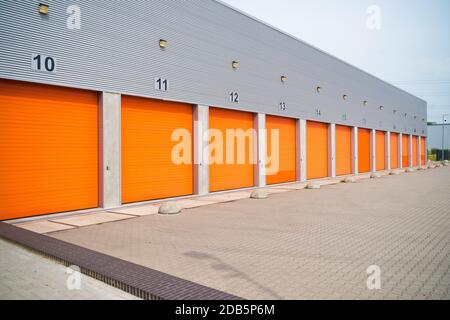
(117, 50)
(435, 135)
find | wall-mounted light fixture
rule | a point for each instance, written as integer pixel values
(43, 8)
(235, 65)
(406, 115)
(365, 102)
(394, 112)
(345, 97)
(381, 108)
(415, 117)
(318, 89)
(162, 43)
(284, 79)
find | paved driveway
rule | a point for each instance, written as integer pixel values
(305, 244)
(26, 275)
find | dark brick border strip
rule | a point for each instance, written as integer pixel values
(132, 278)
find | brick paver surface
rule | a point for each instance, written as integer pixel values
(305, 244)
(25, 275)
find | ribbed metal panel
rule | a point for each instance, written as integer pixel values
(117, 50)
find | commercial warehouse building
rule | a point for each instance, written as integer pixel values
(91, 93)
(439, 140)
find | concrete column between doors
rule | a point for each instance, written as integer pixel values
(355, 151)
(425, 152)
(200, 146)
(260, 150)
(387, 150)
(373, 151)
(301, 150)
(419, 151)
(332, 150)
(110, 166)
(400, 151)
(410, 148)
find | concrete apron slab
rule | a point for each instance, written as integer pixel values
(226, 197)
(138, 211)
(384, 173)
(194, 203)
(92, 219)
(329, 182)
(294, 186)
(362, 176)
(118, 214)
(43, 227)
(276, 190)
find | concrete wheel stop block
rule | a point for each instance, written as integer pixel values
(375, 175)
(394, 173)
(409, 170)
(313, 186)
(169, 208)
(349, 180)
(259, 194)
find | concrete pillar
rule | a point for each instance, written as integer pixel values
(410, 148)
(426, 150)
(200, 142)
(419, 151)
(388, 150)
(332, 150)
(400, 151)
(301, 150)
(373, 151)
(110, 166)
(260, 150)
(355, 151)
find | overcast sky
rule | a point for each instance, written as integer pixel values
(411, 49)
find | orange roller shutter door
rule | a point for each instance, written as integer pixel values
(287, 150)
(380, 142)
(148, 170)
(415, 150)
(316, 150)
(423, 151)
(234, 167)
(48, 149)
(363, 150)
(405, 151)
(394, 151)
(343, 150)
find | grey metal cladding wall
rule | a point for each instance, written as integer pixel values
(435, 135)
(117, 50)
